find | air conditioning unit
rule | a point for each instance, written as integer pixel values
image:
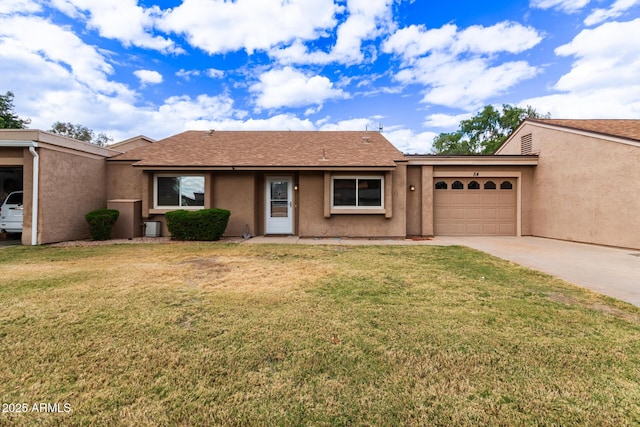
(152, 228)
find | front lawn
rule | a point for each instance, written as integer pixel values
(227, 334)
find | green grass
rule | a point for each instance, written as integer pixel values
(224, 334)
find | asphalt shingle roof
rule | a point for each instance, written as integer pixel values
(267, 149)
(621, 128)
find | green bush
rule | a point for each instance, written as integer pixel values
(101, 221)
(204, 224)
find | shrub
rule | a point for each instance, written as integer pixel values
(204, 224)
(101, 221)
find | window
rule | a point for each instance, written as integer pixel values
(489, 185)
(441, 185)
(457, 185)
(506, 185)
(473, 185)
(360, 192)
(176, 191)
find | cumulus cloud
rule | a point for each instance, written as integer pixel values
(57, 48)
(288, 87)
(19, 6)
(218, 26)
(569, 6)
(462, 68)
(121, 20)
(365, 20)
(603, 80)
(617, 9)
(147, 77)
(214, 73)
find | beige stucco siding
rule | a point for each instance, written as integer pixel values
(235, 191)
(584, 187)
(311, 214)
(124, 181)
(70, 186)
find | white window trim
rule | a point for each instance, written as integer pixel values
(173, 175)
(378, 209)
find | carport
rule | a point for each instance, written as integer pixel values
(62, 180)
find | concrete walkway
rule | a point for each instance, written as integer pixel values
(610, 271)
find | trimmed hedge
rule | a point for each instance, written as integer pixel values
(101, 222)
(203, 224)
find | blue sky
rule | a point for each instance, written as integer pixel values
(417, 68)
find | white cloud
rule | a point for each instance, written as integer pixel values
(568, 6)
(606, 56)
(445, 121)
(214, 74)
(187, 74)
(416, 40)
(57, 47)
(410, 142)
(148, 76)
(461, 69)
(366, 20)
(218, 26)
(617, 9)
(288, 87)
(122, 20)
(603, 80)
(19, 6)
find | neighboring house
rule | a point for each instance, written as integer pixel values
(565, 179)
(585, 187)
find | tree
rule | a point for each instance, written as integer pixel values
(485, 132)
(8, 118)
(81, 133)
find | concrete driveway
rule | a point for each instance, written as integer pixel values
(609, 271)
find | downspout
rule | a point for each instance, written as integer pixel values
(34, 202)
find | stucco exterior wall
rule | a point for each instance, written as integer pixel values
(235, 191)
(124, 181)
(70, 186)
(313, 223)
(584, 188)
(414, 201)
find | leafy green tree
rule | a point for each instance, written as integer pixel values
(8, 118)
(80, 132)
(485, 132)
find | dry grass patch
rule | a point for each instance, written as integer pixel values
(226, 334)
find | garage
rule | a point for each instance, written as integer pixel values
(474, 206)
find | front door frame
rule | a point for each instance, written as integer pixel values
(279, 225)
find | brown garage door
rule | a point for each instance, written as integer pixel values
(472, 206)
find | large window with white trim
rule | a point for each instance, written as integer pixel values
(357, 192)
(178, 191)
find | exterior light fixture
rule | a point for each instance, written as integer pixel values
(412, 188)
(295, 187)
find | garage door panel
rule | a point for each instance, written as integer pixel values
(457, 213)
(507, 229)
(474, 229)
(506, 214)
(489, 213)
(474, 211)
(474, 214)
(489, 229)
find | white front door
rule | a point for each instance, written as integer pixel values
(279, 204)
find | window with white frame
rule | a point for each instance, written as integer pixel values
(357, 192)
(178, 191)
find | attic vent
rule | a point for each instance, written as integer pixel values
(525, 144)
(366, 139)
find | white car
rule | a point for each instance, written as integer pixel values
(11, 213)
